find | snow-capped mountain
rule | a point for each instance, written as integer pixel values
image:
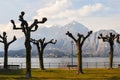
(59, 33)
(92, 47)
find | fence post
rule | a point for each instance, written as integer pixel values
(49, 65)
(58, 65)
(104, 65)
(21, 65)
(96, 64)
(87, 64)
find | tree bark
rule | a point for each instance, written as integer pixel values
(5, 56)
(79, 55)
(40, 55)
(111, 57)
(26, 29)
(28, 57)
(41, 60)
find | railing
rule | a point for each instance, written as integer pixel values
(85, 65)
(64, 65)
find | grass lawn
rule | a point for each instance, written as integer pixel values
(62, 74)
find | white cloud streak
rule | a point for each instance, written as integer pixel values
(8, 28)
(54, 9)
(60, 12)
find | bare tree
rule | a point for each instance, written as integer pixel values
(118, 38)
(79, 43)
(6, 46)
(41, 44)
(110, 39)
(26, 29)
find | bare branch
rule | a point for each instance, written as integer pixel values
(80, 35)
(70, 35)
(34, 41)
(51, 41)
(105, 39)
(89, 33)
(14, 39)
(84, 38)
(1, 41)
(55, 42)
(101, 35)
(24, 24)
(109, 38)
(118, 40)
(1, 37)
(44, 19)
(36, 22)
(14, 26)
(42, 42)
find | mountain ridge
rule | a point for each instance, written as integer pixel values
(92, 46)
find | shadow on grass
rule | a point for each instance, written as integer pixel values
(102, 71)
(11, 72)
(114, 78)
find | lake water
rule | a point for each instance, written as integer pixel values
(90, 62)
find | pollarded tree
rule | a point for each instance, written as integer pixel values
(118, 38)
(27, 29)
(6, 46)
(79, 43)
(110, 39)
(41, 44)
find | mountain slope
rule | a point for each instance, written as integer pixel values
(58, 33)
(92, 46)
(99, 48)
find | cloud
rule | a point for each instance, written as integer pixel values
(88, 9)
(103, 22)
(61, 11)
(8, 28)
(53, 9)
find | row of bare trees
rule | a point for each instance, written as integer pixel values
(26, 29)
(81, 39)
(41, 44)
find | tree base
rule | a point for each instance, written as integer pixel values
(79, 72)
(28, 75)
(110, 68)
(42, 69)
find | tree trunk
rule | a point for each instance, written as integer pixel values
(28, 58)
(41, 60)
(40, 55)
(79, 55)
(111, 57)
(5, 56)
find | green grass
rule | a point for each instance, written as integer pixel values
(62, 74)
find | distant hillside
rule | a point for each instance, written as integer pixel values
(92, 46)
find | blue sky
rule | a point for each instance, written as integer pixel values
(94, 14)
